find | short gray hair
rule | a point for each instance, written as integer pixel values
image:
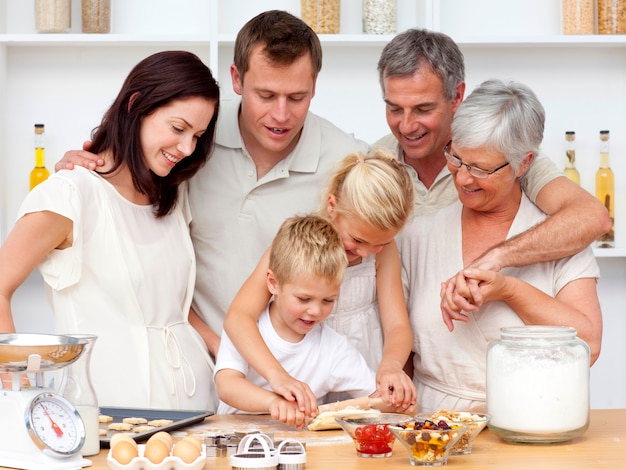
(411, 50)
(504, 116)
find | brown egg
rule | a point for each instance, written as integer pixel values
(156, 450)
(186, 450)
(164, 437)
(195, 441)
(121, 436)
(124, 451)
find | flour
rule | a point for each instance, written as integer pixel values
(538, 393)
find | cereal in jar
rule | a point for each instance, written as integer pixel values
(323, 16)
(379, 16)
(577, 16)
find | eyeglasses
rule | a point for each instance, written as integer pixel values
(476, 172)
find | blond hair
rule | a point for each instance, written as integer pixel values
(307, 246)
(374, 187)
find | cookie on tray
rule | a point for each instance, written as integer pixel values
(120, 427)
(160, 422)
(135, 420)
(143, 428)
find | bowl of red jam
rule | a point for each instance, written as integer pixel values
(371, 434)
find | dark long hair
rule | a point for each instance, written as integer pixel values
(154, 82)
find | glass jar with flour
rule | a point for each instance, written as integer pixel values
(538, 384)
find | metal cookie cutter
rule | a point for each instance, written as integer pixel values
(223, 445)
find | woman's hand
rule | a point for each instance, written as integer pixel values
(485, 285)
(453, 303)
(396, 388)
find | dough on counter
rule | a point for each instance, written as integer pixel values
(326, 419)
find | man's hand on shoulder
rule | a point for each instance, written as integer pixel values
(83, 158)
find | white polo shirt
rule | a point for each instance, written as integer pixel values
(235, 216)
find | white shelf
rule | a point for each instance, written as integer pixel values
(609, 252)
(102, 39)
(72, 39)
(560, 40)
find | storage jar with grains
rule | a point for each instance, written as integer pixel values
(53, 16)
(380, 16)
(538, 384)
(96, 15)
(611, 16)
(321, 15)
(578, 16)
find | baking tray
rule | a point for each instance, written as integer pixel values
(180, 419)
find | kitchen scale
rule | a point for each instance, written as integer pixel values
(39, 429)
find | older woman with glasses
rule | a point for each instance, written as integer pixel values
(496, 134)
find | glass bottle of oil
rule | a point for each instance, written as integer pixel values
(570, 152)
(40, 172)
(605, 190)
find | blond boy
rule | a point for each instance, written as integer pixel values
(306, 268)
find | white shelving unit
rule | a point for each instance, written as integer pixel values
(67, 80)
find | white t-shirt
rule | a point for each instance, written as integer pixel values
(323, 359)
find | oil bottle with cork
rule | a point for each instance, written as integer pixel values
(570, 153)
(605, 190)
(40, 173)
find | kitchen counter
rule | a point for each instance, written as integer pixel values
(602, 446)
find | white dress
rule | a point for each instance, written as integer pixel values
(128, 278)
(356, 313)
(450, 367)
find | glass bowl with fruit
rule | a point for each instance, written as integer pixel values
(428, 442)
(475, 422)
(371, 434)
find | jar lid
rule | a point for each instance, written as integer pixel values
(537, 332)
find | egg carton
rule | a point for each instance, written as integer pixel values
(169, 463)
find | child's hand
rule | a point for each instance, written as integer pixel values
(396, 388)
(295, 391)
(287, 412)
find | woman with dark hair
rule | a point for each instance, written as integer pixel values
(113, 244)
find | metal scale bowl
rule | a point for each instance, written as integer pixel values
(39, 429)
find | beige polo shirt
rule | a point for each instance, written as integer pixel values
(235, 216)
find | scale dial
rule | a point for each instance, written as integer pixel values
(53, 423)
